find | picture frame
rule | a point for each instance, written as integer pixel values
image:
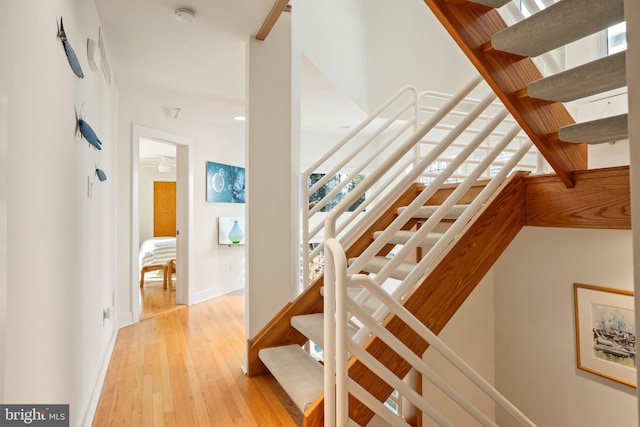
(225, 183)
(605, 332)
(231, 230)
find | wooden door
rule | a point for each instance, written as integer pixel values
(164, 208)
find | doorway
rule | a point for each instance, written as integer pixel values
(161, 158)
(157, 227)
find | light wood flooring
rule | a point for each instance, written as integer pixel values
(154, 300)
(183, 368)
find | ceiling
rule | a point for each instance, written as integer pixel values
(200, 67)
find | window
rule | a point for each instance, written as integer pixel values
(525, 11)
(329, 186)
(617, 38)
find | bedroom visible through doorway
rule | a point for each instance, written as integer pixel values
(157, 227)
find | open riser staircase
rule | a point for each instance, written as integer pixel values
(394, 253)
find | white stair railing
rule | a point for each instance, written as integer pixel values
(338, 385)
(376, 131)
(484, 125)
(393, 153)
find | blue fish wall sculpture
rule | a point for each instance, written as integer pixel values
(68, 50)
(87, 132)
(101, 175)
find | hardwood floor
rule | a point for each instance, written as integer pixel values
(183, 368)
(154, 300)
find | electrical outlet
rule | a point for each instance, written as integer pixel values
(106, 314)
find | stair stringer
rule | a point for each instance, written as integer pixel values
(442, 292)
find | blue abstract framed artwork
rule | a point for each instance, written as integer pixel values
(225, 183)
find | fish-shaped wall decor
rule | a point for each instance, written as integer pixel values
(101, 175)
(68, 50)
(87, 132)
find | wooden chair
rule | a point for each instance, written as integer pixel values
(171, 269)
(154, 267)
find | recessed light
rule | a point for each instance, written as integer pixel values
(239, 118)
(185, 14)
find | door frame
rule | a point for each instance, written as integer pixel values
(184, 213)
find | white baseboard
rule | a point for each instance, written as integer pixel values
(91, 403)
(212, 293)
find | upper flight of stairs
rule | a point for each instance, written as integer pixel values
(600, 200)
(503, 56)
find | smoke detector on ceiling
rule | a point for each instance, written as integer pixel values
(185, 14)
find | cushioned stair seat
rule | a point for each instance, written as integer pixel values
(597, 131)
(559, 24)
(589, 79)
(299, 374)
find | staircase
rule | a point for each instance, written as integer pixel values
(414, 252)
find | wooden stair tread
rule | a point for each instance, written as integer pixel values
(299, 374)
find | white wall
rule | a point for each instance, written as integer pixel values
(535, 353)
(470, 334)
(60, 242)
(273, 167)
(333, 37)
(4, 143)
(373, 48)
(216, 270)
(407, 45)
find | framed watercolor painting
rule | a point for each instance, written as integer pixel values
(605, 332)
